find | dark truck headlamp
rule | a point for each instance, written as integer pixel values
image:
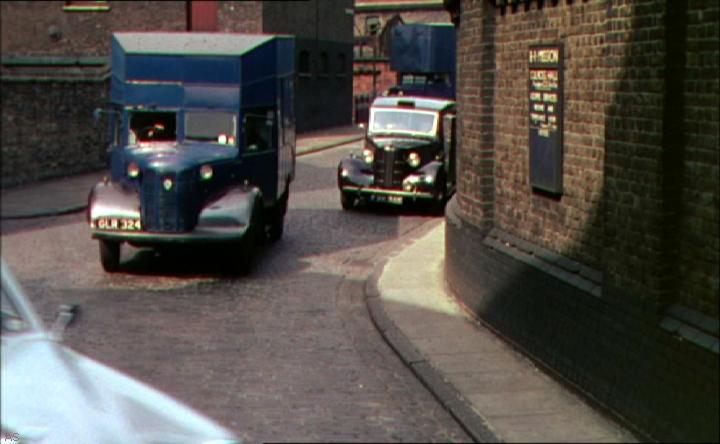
(368, 155)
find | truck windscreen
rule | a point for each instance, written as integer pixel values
(152, 126)
(403, 121)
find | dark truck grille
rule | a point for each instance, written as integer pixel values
(390, 168)
(173, 211)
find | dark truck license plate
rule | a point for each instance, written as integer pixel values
(118, 223)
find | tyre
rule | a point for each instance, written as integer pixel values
(277, 221)
(243, 264)
(275, 230)
(347, 200)
(110, 255)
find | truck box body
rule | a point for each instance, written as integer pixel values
(198, 70)
(424, 52)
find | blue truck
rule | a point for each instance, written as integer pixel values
(409, 149)
(202, 144)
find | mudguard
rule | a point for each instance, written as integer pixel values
(224, 219)
(354, 171)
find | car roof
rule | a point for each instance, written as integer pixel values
(417, 102)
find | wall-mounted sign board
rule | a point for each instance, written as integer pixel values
(546, 117)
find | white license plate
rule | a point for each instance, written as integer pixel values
(118, 223)
(395, 200)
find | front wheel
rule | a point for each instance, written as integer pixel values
(277, 222)
(347, 200)
(243, 263)
(110, 255)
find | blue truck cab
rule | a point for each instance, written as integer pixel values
(202, 143)
(409, 148)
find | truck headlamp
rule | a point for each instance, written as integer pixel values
(368, 155)
(206, 172)
(413, 159)
(133, 170)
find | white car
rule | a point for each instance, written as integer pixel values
(52, 394)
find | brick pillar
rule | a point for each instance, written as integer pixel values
(476, 152)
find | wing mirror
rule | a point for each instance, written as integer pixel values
(67, 315)
(98, 113)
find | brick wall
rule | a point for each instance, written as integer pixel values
(27, 26)
(48, 128)
(700, 245)
(56, 135)
(363, 77)
(637, 223)
(234, 16)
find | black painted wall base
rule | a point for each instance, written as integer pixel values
(664, 386)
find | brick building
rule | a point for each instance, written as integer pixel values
(606, 272)
(374, 20)
(55, 69)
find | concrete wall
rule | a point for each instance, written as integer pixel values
(625, 302)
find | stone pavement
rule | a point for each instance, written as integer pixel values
(495, 392)
(69, 194)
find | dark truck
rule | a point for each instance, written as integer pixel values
(202, 149)
(409, 152)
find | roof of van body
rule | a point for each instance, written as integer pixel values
(190, 43)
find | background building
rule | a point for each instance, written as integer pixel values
(374, 20)
(55, 69)
(607, 272)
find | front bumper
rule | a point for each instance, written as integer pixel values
(355, 177)
(415, 194)
(199, 235)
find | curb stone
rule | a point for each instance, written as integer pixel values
(433, 380)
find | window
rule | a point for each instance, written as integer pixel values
(204, 126)
(259, 125)
(324, 64)
(152, 126)
(304, 63)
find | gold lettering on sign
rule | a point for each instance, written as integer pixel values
(551, 55)
(550, 97)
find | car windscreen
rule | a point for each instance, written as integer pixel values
(207, 126)
(403, 121)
